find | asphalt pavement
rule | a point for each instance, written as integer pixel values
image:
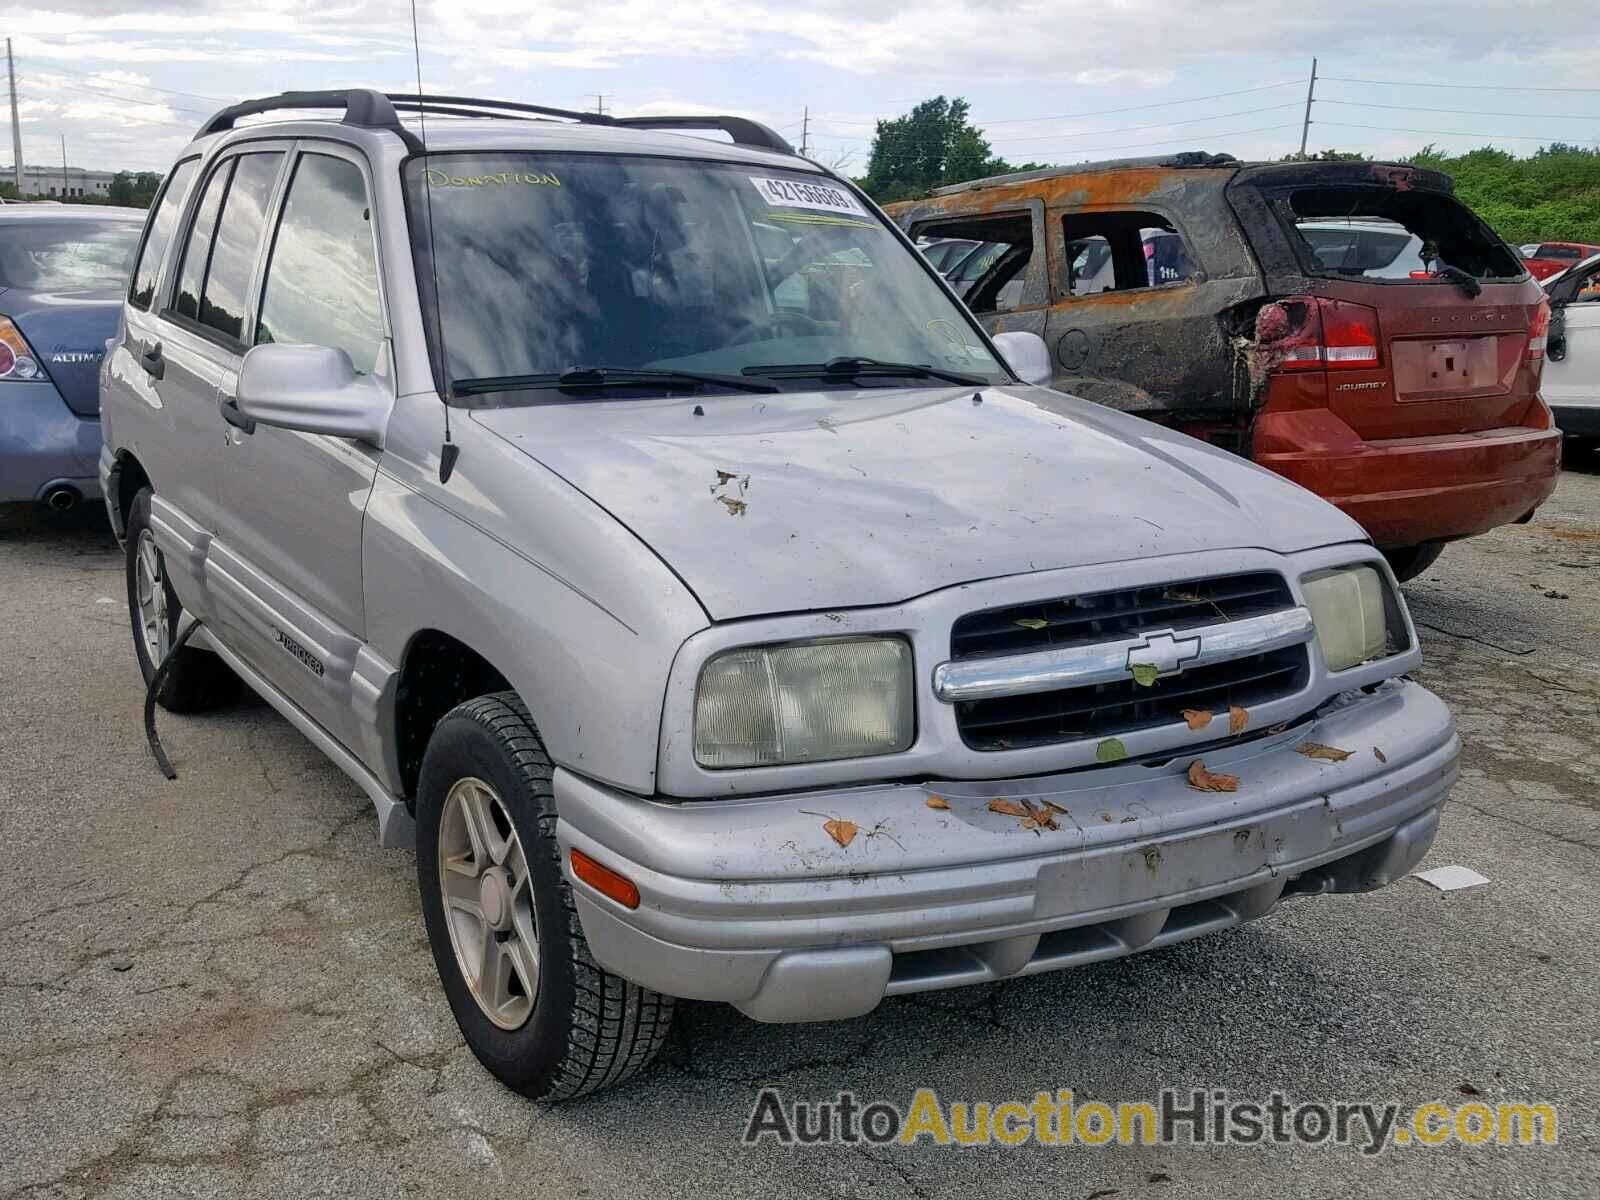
(220, 986)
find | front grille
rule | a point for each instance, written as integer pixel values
(1108, 616)
(1109, 709)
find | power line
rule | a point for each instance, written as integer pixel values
(1099, 112)
(143, 87)
(1469, 87)
(64, 87)
(1465, 112)
(1045, 137)
(1187, 140)
(1521, 137)
(1051, 137)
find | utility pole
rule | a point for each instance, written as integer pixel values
(600, 103)
(63, 164)
(1311, 93)
(16, 128)
(805, 131)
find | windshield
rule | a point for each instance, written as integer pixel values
(551, 262)
(67, 256)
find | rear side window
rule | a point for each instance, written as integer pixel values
(322, 280)
(162, 226)
(1122, 251)
(1373, 232)
(197, 253)
(233, 256)
(991, 274)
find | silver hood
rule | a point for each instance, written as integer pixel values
(842, 499)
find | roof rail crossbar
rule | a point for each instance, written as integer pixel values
(450, 110)
(362, 106)
(426, 100)
(742, 130)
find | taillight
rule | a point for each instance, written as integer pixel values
(1539, 330)
(17, 360)
(1312, 333)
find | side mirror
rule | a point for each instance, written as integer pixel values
(1027, 355)
(313, 389)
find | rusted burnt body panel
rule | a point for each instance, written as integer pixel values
(1165, 352)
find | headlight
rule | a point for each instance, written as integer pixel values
(1357, 619)
(804, 702)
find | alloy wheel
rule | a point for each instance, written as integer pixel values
(488, 902)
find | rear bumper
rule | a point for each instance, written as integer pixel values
(751, 902)
(1577, 420)
(43, 443)
(1405, 491)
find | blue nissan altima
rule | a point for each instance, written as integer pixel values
(63, 272)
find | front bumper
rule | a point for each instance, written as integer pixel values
(749, 901)
(44, 443)
(1406, 491)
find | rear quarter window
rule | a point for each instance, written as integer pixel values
(1376, 232)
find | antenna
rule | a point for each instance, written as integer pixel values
(449, 452)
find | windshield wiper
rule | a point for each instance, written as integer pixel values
(608, 377)
(851, 366)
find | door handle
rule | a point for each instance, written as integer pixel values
(231, 414)
(153, 362)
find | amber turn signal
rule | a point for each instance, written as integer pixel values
(604, 880)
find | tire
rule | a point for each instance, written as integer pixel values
(582, 1028)
(1408, 562)
(198, 680)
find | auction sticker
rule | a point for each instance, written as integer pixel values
(795, 193)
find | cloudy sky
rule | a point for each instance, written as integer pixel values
(1053, 80)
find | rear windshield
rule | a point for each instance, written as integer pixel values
(67, 256)
(1389, 234)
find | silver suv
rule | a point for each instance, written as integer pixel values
(645, 526)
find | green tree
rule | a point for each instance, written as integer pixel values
(133, 190)
(933, 145)
(1551, 196)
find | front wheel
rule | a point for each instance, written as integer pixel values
(1408, 562)
(532, 1003)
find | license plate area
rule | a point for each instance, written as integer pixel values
(1429, 369)
(1121, 875)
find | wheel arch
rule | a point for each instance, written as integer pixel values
(126, 479)
(437, 671)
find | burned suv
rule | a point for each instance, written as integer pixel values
(640, 521)
(1350, 325)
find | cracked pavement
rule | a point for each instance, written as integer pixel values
(220, 986)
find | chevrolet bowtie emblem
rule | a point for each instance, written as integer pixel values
(1164, 652)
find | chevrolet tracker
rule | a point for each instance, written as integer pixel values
(1351, 325)
(645, 526)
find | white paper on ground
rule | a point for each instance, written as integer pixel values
(1452, 878)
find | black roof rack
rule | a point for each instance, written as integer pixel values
(375, 110)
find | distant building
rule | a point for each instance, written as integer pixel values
(48, 182)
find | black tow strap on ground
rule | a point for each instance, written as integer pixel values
(156, 680)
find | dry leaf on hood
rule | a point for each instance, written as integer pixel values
(939, 802)
(1238, 718)
(1008, 808)
(1211, 781)
(1380, 755)
(736, 507)
(843, 832)
(1054, 807)
(1318, 750)
(1198, 718)
(1145, 674)
(1032, 623)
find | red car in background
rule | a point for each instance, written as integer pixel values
(1549, 257)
